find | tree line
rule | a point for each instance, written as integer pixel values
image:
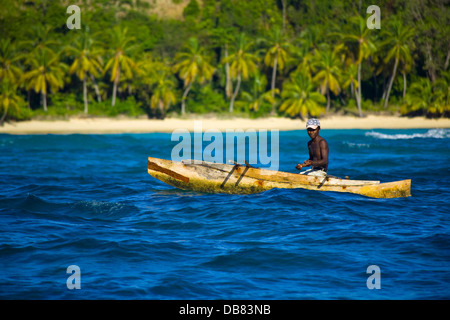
(295, 58)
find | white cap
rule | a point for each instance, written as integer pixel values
(312, 123)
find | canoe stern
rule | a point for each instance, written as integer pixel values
(185, 177)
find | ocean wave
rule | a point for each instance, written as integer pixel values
(103, 210)
(432, 133)
(356, 145)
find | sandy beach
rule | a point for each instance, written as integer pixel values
(108, 125)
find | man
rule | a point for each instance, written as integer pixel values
(318, 151)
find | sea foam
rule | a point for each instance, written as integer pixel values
(432, 133)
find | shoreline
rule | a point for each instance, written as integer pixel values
(168, 125)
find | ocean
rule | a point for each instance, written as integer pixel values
(80, 218)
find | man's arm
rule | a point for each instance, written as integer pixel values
(305, 163)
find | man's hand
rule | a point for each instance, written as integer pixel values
(307, 163)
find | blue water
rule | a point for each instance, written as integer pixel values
(87, 200)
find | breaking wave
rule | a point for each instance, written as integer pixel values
(432, 133)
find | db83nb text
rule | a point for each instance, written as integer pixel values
(246, 309)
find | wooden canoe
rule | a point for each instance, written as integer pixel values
(210, 177)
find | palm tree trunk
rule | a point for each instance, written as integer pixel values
(161, 108)
(404, 85)
(2, 120)
(44, 100)
(183, 99)
(85, 99)
(358, 91)
(116, 82)
(447, 60)
(431, 68)
(235, 92)
(97, 91)
(228, 84)
(274, 75)
(328, 100)
(390, 83)
(383, 97)
(375, 85)
(114, 93)
(28, 98)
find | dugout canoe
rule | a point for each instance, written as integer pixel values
(211, 177)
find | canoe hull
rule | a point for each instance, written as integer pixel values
(209, 177)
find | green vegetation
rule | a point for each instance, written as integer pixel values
(247, 58)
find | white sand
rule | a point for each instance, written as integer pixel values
(108, 125)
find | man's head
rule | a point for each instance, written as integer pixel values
(313, 127)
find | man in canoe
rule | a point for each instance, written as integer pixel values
(318, 151)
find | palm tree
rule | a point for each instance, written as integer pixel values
(243, 65)
(47, 71)
(41, 38)
(9, 58)
(222, 37)
(349, 78)
(397, 41)
(303, 51)
(329, 71)
(148, 68)
(305, 60)
(311, 37)
(257, 96)
(276, 55)
(358, 36)
(442, 85)
(145, 79)
(300, 97)
(9, 99)
(406, 68)
(193, 65)
(424, 97)
(163, 94)
(87, 63)
(121, 63)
